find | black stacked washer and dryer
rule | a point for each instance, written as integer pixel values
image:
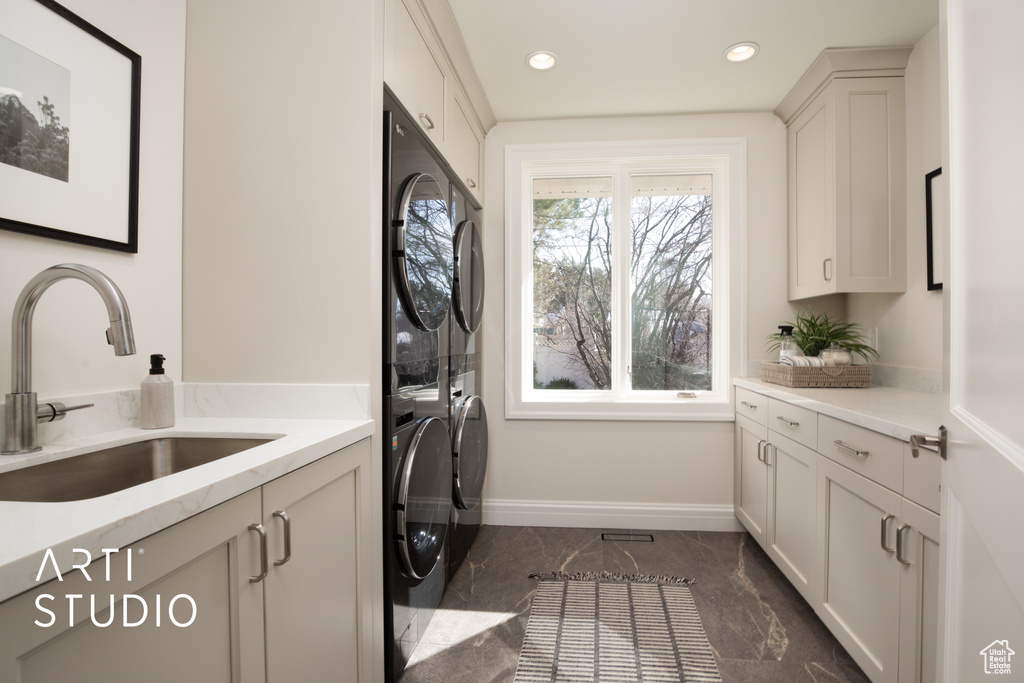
(435, 443)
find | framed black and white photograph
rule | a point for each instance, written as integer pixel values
(936, 198)
(69, 128)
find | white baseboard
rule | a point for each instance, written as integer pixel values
(594, 515)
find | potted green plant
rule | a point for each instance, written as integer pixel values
(816, 332)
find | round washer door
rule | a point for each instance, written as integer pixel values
(423, 251)
(469, 453)
(468, 287)
(423, 503)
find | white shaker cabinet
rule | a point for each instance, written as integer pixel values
(414, 67)
(846, 151)
(775, 485)
(858, 569)
(751, 478)
(308, 618)
(848, 514)
(879, 570)
(425, 82)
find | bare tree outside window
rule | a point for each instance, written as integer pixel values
(670, 281)
(671, 226)
(572, 287)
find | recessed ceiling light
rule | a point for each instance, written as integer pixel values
(741, 52)
(541, 60)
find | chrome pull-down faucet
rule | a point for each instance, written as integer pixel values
(21, 409)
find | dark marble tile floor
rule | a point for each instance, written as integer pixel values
(759, 627)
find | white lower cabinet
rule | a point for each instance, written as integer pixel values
(751, 478)
(847, 515)
(196, 603)
(879, 575)
(791, 527)
(775, 499)
(857, 568)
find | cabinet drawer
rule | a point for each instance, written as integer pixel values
(799, 424)
(922, 477)
(752, 405)
(876, 456)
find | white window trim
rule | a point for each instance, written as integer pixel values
(726, 158)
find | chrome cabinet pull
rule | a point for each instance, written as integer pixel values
(283, 516)
(258, 528)
(850, 449)
(788, 423)
(826, 272)
(761, 448)
(749, 405)
(774, 449)
(899, 543)
(470, 183)
(428, 124)
(885, 532)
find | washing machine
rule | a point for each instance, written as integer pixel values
(418, 262)
(468, 424)
(469, 457)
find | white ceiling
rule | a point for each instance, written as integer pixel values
(637, 57)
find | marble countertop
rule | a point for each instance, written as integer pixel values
(895, 412)
(119, 519)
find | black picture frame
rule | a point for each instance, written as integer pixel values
(929, 230)
(96, 200)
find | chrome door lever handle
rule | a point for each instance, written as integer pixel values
(936, 444)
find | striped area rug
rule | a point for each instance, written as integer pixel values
(643, 629)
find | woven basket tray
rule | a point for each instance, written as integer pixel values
(845, 376)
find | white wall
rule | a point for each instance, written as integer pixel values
(910, 324)
(70, 353)
(282, 191)
(628, 474)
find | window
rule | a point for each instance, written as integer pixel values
(620, 299)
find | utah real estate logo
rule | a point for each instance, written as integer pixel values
(997, 657)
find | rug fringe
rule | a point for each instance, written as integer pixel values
(612, 576)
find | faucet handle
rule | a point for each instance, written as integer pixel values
(55, 410)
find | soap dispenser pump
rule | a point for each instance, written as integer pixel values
(157, 396)
(788, 347)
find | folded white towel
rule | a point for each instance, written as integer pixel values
(804, 361)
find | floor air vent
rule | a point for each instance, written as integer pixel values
(642, 538)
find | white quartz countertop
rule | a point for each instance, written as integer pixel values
(895, 412)
(119, 519)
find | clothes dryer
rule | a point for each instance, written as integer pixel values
(467, 277)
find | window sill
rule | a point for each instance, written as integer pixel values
(669, 410)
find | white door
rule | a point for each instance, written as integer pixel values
(982, 571)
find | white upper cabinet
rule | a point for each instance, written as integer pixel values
(846, 151)
(419, 70)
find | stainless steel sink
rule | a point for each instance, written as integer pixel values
(117, 468)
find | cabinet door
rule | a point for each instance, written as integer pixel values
(751, 478)
(318, 613)
(792, 504)
(858, 574)
(870, 182)
(414, 68)
(812, 199)
(208, 558)
(464, 144)
(919, 593)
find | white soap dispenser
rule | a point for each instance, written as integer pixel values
(157, 396)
